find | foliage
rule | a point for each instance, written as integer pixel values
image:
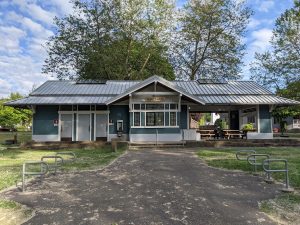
(292, 91)
(219, 123)
(12, 160)
(248, 126)
(120, 39)
(281, 66)
(204, 118)
(209, 39)
(13, 117)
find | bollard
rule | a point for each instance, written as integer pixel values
(252, 160)
(287, 187)
(57, 163)
(44, 170)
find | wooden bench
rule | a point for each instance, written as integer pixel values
(206, 133)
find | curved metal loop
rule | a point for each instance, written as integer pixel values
(238, 154)
(58, 162)
(44, 168)
(43, 164)
(72, 154)
(251, 159)
(266, 162)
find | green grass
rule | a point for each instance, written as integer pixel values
(225, 158)
(285, 207)
(8, 204)
(12, 160)
(21, 136)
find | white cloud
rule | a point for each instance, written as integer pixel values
(253, 23)
(36, 29)
(64, 6)
(35, 11)
(265, 6)
(20, 74)
(5, 87)
(261, 39)
(10, 38)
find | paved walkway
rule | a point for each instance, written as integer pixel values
(149, 187)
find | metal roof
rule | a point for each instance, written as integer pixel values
(150, 80)
(71, 88)
(59, 100)
(68, 92)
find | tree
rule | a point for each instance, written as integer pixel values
(281, 65)
(119, 39)
(209, 39)
(292, 91)
(13, 117)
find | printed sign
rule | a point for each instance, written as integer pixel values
(55, 122)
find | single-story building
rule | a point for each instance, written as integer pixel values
(153, 110)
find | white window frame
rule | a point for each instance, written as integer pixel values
(145, 111)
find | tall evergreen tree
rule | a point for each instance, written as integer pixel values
(281, 65)
(208, 43)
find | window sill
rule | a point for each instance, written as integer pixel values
(154, 126)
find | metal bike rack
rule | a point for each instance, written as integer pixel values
(246, 153)
(69, 160)
(267, 162)
(252, 160)
(58, 161)
(43, 166)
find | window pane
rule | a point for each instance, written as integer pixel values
(150, 119)
(173, 106)
(137, 106)
(137, 121)
(172, 118)
(154, 106)
(167, 106)
(159, 119)
(154, 119)
(143, 106)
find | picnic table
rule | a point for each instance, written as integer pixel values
(206, 133)
(233, 134)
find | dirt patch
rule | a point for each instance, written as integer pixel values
(15, 216)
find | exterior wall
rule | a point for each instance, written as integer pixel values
(43, 128)
(118, 112)
(167, 134)
(155, 134)
(265, 119)
(264, 124)
(183, 117)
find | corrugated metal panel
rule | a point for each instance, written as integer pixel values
(232, 87)
(246, 99)
(71, 88)
(233, 92)
(39, 100)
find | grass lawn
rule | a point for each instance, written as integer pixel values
(285, 207)
(11, 161)
(21, 136)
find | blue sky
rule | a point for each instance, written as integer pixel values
(25, 26)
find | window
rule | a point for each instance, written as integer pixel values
(155, 119)
(251, 119)
(136, 106)
(173, 106)
(153, 114)
(173, 119)
(136, 119)
(154, 106)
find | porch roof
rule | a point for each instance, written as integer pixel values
(70, 92)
